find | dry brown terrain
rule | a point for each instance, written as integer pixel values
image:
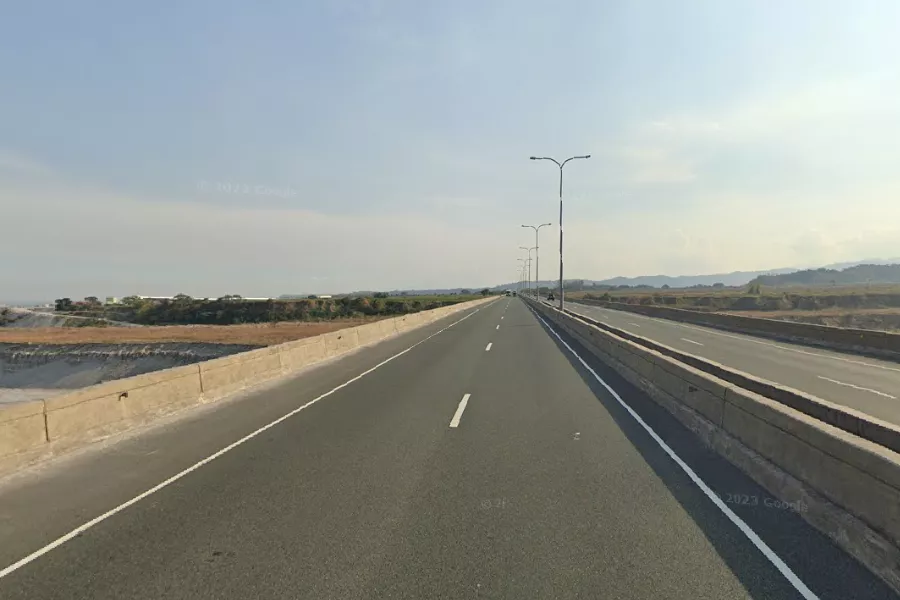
(257, 334)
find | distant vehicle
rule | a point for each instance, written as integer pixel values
(551, 297)
(514, 293)
(508, 293)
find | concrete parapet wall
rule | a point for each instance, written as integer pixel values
(38, 430)
(850, 485)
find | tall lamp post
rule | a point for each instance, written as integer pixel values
(537, 258)
(522, 272)
(560, 165)
(527, 249)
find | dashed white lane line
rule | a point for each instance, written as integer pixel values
(856, 387)
(635, 324)
(797, 350)
(96, 520)
(454, 422)
(745, 529)
(488, 348)
(691, 341)
(501, 318)
(773, 345)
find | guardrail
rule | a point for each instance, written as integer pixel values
(850, 486)
(34, 431)
(868, 342)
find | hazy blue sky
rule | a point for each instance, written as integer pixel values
(384, 144)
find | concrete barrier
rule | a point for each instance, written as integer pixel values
(223, 376)
(880, 344)
(99, 410)
(37, 430)
(849, 486)
(22, 427)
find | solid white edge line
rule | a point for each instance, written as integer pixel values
(82, 528)
(488, 347)
(454, 422)
(745, 529)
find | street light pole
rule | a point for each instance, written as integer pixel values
(529, 264)
(537, 258)
(522, 272)
(560, 165)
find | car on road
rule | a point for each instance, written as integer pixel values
(551, 297)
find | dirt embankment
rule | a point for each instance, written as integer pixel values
(39, 362)
(33, 371)
(254, 334)
(25, 318)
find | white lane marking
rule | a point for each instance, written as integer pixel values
(501, 318)
(635, 324)
(745, 529)
(856, 387)
(454, 422)
(82, 528)
(748, 338)
(498, 327)
(797, 350)
(488, 348)
(692, 341)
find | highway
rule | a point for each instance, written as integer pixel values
(865, 384)
(477, 457)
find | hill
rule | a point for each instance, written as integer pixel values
(737, 278)
(856, 275)
(733, 279)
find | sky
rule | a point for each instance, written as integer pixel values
(215, 147)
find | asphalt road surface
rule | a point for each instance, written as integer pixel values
(484, 460)
(865, 384)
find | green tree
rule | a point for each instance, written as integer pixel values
(93, 300)
(485, 292)
(132, 301)
(63, 304)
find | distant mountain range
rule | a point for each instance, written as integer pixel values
(735, 279)
(867, 273)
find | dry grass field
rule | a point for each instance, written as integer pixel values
(254, 334)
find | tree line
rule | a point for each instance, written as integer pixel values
(232, 309)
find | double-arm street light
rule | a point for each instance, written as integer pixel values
(527, 249)
(522, 272)
(560, 165)
(537, 258)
